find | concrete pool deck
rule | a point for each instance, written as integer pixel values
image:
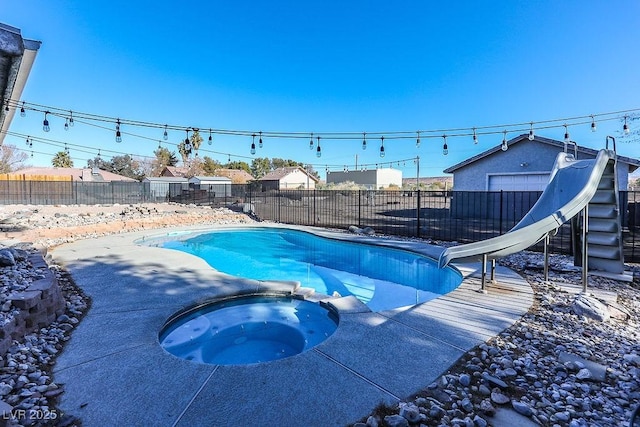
(115, 372)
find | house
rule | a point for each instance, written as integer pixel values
(70, 174)
(293, 177)
(237, 176)
(372, 179)
(218, 186)
(164, 187)
(523, 169)
(525, 166)
(16, 59)
(175, 171)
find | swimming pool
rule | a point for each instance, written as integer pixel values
(381, 277)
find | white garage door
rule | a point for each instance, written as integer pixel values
(519, 182)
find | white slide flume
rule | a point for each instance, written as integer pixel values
(572, 185)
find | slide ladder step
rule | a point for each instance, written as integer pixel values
(603, 239)
(603, 211)
(601, 225)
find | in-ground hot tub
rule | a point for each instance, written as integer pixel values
(247, 330)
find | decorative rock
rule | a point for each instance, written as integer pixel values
(396, 421)
(494, 380)
(478, 421)
(465, 380)
(522, 408)
(6, 258)
(583, 374)
(410, 412)
(499, 398)
(487, 408)
(590, 307)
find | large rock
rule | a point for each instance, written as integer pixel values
(590, 307)
(6, 258)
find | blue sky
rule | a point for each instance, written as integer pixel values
(328, 66)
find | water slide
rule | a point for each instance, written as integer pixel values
(572, 185)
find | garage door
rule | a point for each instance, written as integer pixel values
(519, 182)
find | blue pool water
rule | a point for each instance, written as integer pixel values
(247, 330)
(383, 278)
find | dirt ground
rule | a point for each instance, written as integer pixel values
(50, 225)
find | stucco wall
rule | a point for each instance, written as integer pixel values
(296, 179)
(522, 157)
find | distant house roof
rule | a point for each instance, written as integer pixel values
(165, 179)
(76, 174)
(210, 178)
(237, 176)
(278, 174)
(178, 171)
(633, 163)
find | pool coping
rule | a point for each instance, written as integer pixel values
(122, 375)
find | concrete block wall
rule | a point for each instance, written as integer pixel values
(40, 304)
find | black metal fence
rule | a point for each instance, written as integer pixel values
(440, 215)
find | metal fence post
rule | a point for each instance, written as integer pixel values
(418, 215)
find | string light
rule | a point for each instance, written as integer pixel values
(382, 146)
(593, 124)
(318, 150)
(418, 140)
(625, 128)
(253, 144)
(364, 140)
(504, 146)
(210, 141)
(45, 123)
(567, 138)
(531, 135)
(475, 136)
(23, 113)
(118, 134)
(66, 124)
(165, 135)
(260, 140)
(311, 142)
(445, 147)
(71, 123)
(187, 143)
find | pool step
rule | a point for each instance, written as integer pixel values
(305, 292)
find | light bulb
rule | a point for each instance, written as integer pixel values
(445, 147)
(118, 134)
(475, 136)
(593, 124)
(71, 119)
(625, 128)
(165, 135)
(253, 148)
(567, 138)
(382, 146)
(260, 141)
(66, 124)
(210, 141)
(504, 146)
(45, 123)
(318, 150)
(531, 135)
(364, 141)
(23, 113)
(311, 144)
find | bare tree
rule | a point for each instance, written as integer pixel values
(12, 159)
